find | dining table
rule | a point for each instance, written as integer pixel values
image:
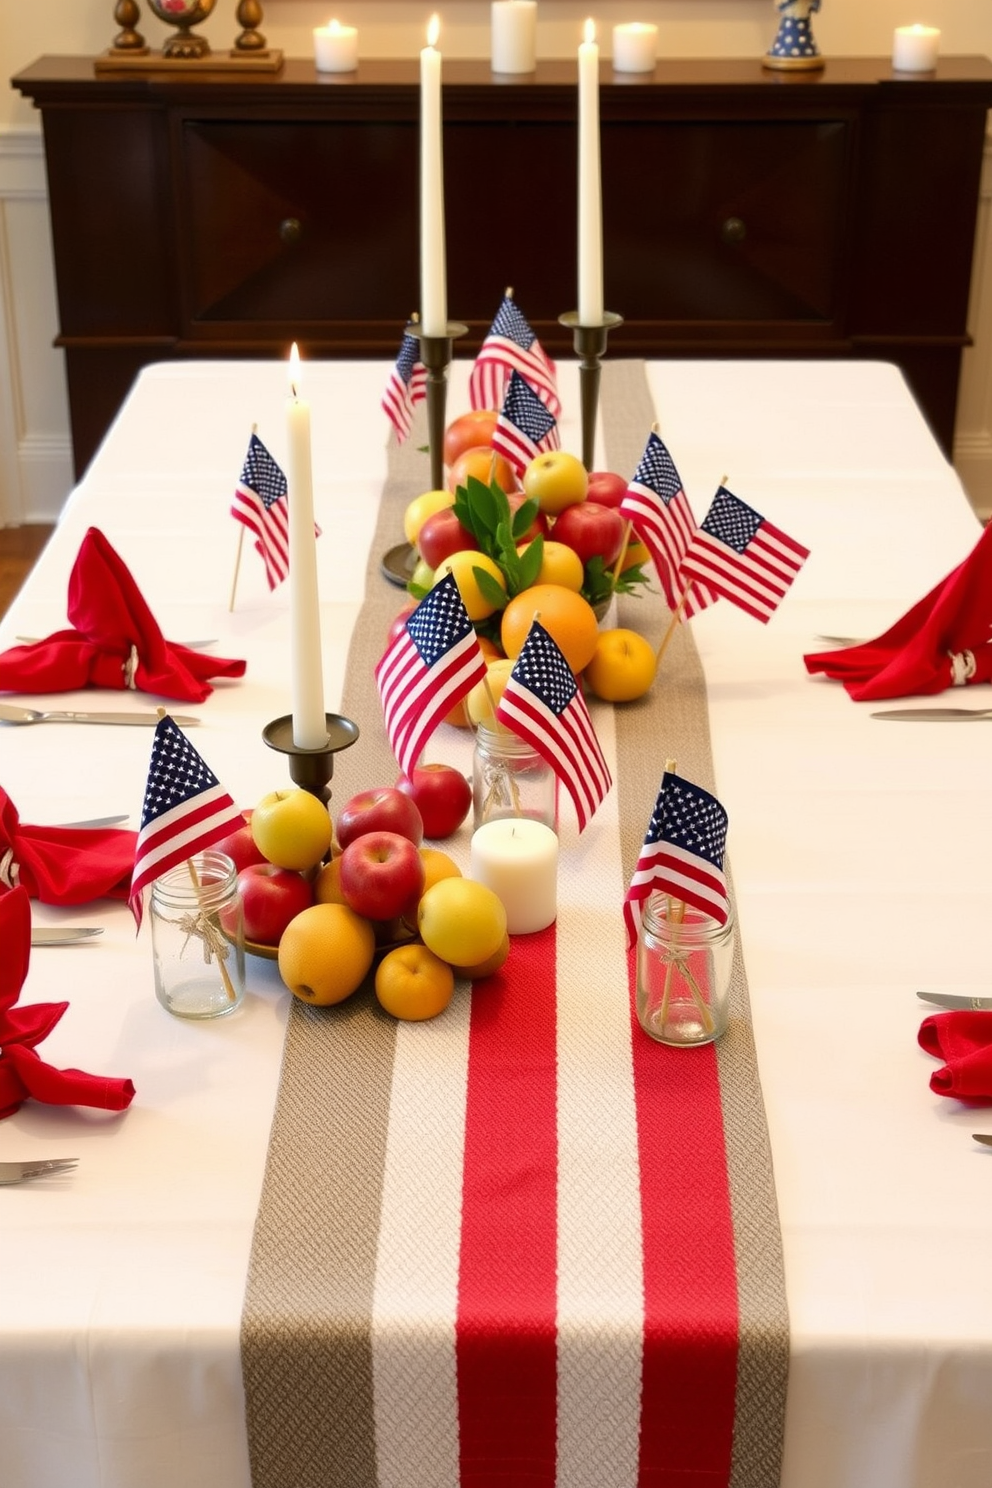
(859, 855)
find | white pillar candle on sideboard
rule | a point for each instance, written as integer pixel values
(514, 36)
(914, 48)
(635, 47)
(517, 858)
(335, 47)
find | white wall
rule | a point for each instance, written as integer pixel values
(35, 461)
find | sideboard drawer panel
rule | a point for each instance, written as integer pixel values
(726, 222)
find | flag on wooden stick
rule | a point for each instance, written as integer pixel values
(682, 854)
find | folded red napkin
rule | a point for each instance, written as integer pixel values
(23, 1073)
(943, 641)
(64, 865)
(116, 641)
(963, 1040)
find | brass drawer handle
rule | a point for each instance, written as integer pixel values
(291, 230)
(734, 230)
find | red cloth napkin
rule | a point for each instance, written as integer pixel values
(915, 656)
(116, 641)
(963, 1040)
(23, 1073)
(64, 865)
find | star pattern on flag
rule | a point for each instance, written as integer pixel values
(434, 661)
(542, 702)
(407, 386)
(260, 504)
(185, 809)
(731, 521)
(683, 853)
(525, 427)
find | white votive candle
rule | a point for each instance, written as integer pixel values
(914, 48)
(335, 47)
(514, 35)
(518, 859)
(635, 47)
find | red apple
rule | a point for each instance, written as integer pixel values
(591, 530)
(384, 809)
(382, 876)
(441, 535)
(399, 621)
(271, 897)
(443, 797)
(469, 431)
(240, 846)
(606, 488)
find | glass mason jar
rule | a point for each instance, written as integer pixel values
(684, 961)
(509, 778)
(198, 937)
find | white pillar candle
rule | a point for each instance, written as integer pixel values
(514, 35)
(306, 669)
(914, 48)
(635, 47)
(518, 859)
(433, 282)
(590, 233)
(335, 47)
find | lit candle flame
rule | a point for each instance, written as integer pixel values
(333, 26)
(433, 30)
(590, 30)
(294, 369)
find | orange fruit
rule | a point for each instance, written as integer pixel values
(636, 552)
(486, 465)
(566, 616)
(437, 864)
(325, 953)
(622, 667)
(412, 983)
(327, 884)
(560, 564)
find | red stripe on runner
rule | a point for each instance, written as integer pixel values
(690, 1280)
(506, 1338)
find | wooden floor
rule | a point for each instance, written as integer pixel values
(19, 547)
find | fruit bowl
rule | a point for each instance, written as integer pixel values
(256, 948)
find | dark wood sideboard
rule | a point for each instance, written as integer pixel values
(746, 212)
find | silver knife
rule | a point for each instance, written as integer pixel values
(63, 935)
(95, 821)
(956, 1000)
(984, 1137)
(934, 715)
(10, 714)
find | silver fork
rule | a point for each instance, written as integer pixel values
(17, 1172)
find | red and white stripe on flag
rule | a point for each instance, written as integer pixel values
(743, 556)
(499, 357)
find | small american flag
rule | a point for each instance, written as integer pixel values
(407, 386)
(511, 345)
(543, 704)
(659, 512)
(743, 557)
(525, 427)
(682, 854)
(260, 505)
(186, 809)
(432, 664)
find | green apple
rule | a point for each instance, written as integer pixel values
(291, 828)
(555, 480)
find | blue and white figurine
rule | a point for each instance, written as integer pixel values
(794, 46)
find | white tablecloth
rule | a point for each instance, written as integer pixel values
(861, 867)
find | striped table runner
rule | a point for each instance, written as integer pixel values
(522, 1244)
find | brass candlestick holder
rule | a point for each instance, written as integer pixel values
(435, 354)
(311, 769)
(590, 347)
(398, 563)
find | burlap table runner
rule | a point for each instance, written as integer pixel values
(306, 1342)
